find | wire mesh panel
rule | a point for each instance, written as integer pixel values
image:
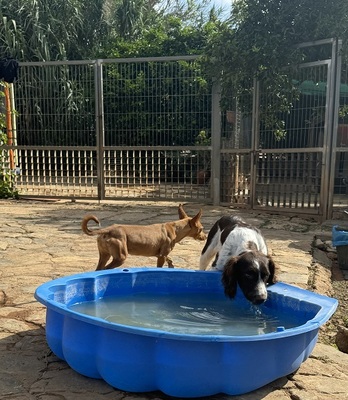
(156, 174)
(132, 128)
(292, 176)
(59, 172)
(301, 124)
(55, 122)
(340, 196)
(55, 105)
(157, 127)
(289, 180)
(155, 103)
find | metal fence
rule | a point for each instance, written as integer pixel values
(113, 129)
(154, 129)
(299, 171)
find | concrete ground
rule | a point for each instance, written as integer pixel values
(42, 240)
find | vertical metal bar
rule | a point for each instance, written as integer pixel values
(14, 122)
(303, 158)
(61, 163)
(30, 178)
(146, 168)
(122, 166)
(89, 156)
(309, 162)
(118, 169)
(336, 67)
(127, 168)
(135, 155)
(79, 160)
(255, 132)
(49, 162)
(66, 182)
(8, 114)
(326, 140)
(43, 168)
(216, 142)
(37, 168)
(99, 111)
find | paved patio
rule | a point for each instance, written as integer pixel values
(42, 240)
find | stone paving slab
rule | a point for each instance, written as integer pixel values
(42, 240)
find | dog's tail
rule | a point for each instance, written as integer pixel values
(85, 228)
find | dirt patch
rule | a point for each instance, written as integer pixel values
(319, 279)
(327, 278)
(338, 290)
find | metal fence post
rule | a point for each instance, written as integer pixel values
(99, 111)
(335, 75)
(216, 142)
(255, 139)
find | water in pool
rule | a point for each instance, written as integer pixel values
(187, 313)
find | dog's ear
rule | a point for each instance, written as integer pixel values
(272, 271)
(194, 221)
(181, 212)
(229, 278)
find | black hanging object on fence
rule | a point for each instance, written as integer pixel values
(8, 69)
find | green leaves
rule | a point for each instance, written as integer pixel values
(259, 41)
(44, 30)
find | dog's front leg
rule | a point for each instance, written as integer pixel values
(170, 262)
(160, 261)
(166, 248)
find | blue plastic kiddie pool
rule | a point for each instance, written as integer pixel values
(181, 364)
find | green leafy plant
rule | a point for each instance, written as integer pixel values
(343, 111)
(7, 189)
(259, 41)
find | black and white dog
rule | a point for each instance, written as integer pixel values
(241, 254)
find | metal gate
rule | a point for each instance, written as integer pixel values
(287, 171)
(109, 129)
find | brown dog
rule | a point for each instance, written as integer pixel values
(117, 241)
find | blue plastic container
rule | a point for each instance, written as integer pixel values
(339, 236)
(140, 360)
(340, 241)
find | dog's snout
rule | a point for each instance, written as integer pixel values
(201, 236)
(258, 300)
